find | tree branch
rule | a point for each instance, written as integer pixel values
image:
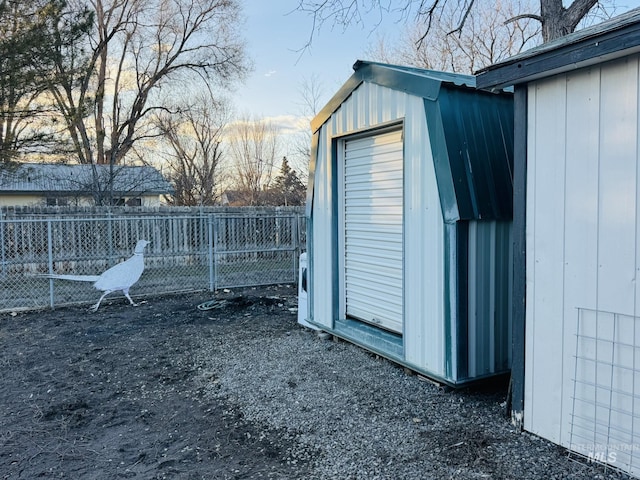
(577, 11)
(522, 17)
(460, 26)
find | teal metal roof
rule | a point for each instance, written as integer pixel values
(471, 135)
(415, 81)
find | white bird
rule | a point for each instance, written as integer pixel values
(119, 277)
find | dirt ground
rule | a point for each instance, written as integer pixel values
(125, 393)
(116, 394)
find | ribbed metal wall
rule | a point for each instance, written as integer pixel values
(488, 297)
(432, 341)
(371, 106)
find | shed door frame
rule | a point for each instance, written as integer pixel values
(340, 151)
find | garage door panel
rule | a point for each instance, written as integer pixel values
(362, 276)
(388, 251)
(384, 197)
(387, 166)
(359, 247)
(387, 180)
(373, 229)
(377, 292)
(378, 298)
(360, 226)
(378, 264)
(376, 315)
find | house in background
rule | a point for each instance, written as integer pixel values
(576, 357)
(410, 209)
(61, 184)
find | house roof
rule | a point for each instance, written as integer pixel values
(470, 131)
(614, 38)
(46, 178)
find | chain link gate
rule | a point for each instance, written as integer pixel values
(252, 251)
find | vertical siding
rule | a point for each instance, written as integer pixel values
(370, 105)
(582, 226)
(322, 241)
(489, 269)
(545, 247)
(424, 250)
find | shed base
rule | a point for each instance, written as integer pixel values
(391, 346)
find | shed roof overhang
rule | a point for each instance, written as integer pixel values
(614, 38)
(470, 133)
(415, 81)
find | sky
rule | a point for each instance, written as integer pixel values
(275, 33)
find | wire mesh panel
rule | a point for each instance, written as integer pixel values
(252, 250)
(605, 417)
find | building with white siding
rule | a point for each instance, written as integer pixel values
(410, 209)
(576, 366)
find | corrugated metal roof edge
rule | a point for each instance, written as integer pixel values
(43, 177)
(408, 79)
(86, 193)
(598, 43)
(415, 81)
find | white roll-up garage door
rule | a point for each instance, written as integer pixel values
(373, 219)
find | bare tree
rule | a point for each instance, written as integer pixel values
(311, 92)
(555, 19)
(25, 48)
(137, 48)
(194, 138)
(254, 145)
(490, 35)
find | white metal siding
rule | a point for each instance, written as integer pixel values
(373, 253)
(369, 106)
(583, 249)
(322, 280)
(424, 279)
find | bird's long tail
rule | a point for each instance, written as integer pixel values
(74, 278)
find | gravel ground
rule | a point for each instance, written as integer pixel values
(166, 390)
(348, 413)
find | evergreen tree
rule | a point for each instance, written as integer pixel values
(288, 188)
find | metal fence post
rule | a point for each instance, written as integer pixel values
(296, 246)
(212, 261)
(50, 261)
(110, 239)
(3, 253)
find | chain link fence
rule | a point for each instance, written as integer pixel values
(187, 253)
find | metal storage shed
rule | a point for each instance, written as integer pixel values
(576, 358)
(410, 208)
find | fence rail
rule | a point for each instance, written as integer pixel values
(188, 252)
